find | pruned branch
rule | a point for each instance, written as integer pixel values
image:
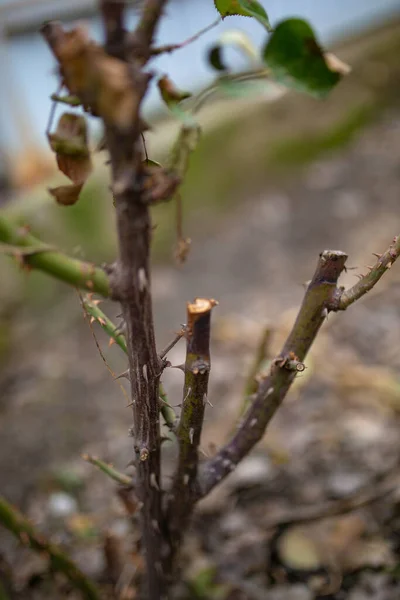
(38, 255)
(274, 387)
(195, 391)
(344, 298)
(24, 531)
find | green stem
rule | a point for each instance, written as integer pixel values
(24, 531)
(108, 470)
(167, 411)
(39, 256)
(91, 307)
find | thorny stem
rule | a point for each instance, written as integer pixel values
(173, 343)
(274, 387)
(345, 298)
(172, 47)
(197, 369)
(91, 307)
(24, 531)
(132, 284)
(38, 255)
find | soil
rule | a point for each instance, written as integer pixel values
(335, 438)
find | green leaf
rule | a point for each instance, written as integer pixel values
(244, 8)
(296, 60)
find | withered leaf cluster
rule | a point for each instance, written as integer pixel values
(102, 82)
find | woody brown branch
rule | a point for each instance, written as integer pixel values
(274, 387)
(133, 284)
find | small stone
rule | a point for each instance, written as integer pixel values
(342, 483)
(251, 471)
(62, 505)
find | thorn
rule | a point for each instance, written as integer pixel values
(189, 391)
(111, 342)
(180, 367)
(204, 453)
(101, 321)
(92, 320)
(359, 276)
(378, 256)
(206, 401)
(121, 375)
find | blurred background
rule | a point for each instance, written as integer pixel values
(276, 179)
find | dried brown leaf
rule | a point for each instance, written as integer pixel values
(102, 82)
(182, 250)
(66, 195)
(160, 184)
(169, 92)
(70, 144)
